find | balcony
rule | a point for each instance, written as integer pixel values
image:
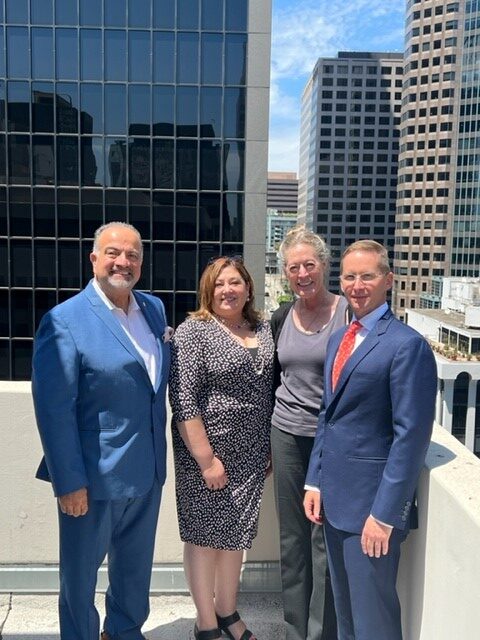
(439, 573)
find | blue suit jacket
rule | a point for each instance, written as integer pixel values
(374, 429)
(101, 423)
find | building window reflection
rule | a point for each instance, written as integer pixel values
(128, 110)
(42, 107)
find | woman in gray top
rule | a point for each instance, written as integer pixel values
(301, 331)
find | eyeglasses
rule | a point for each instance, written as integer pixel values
(232, 258)
(350, 278)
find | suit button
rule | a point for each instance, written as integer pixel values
(404, 518)
(408, 503)
(331, 424)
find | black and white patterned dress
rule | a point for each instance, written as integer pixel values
(215, 377)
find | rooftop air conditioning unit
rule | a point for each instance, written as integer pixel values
(472, 317)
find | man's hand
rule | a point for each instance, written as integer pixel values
(74, 504)
(214, 475)
(312, 504)
(375, 537)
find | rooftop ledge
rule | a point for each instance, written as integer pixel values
(439, 571)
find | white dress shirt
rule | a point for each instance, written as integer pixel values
(368, 322)
(138, 332)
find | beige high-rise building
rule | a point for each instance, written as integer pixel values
(438, 206)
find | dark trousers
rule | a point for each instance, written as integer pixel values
(307, 595)
(364, 588)
(125, 529)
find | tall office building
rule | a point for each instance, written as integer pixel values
(282, 191)
(282, 203)
(349, 149)
(151, 112)
(438, 214)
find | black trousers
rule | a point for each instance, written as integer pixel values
(309, 611)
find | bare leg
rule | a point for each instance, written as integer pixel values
(200, 564)
(227, 577)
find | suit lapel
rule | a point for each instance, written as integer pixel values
(105, 315)
(370, 342)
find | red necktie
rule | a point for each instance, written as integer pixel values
(344, 351)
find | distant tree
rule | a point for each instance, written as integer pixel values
(285, 297)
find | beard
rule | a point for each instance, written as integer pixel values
(126, 282)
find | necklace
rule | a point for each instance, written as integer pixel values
(306, 327)
(232, 325)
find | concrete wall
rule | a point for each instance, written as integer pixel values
(28, 529)
(256, 141)
(439, 572)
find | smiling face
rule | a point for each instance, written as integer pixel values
(305, 272)
(117, 261)
(364, 297)
(230, 294)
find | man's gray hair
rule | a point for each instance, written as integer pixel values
(109, 225)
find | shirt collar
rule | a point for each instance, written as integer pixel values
(371, 319)
(132, 304)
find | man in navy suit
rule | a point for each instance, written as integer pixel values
(100, 369)
(372, 437)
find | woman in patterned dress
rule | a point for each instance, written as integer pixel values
(221, 396)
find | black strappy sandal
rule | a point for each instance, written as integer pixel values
(224, 623)
(209, 634)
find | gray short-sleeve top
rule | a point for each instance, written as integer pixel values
(302, 358)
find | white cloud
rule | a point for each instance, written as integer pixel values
(298, 34)
(283, 149)
(282, 104)
(305, 31)
(388, 38)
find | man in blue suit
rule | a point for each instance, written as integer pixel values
(100, 369)
(372, 437)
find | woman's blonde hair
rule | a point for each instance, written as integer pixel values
(207, 288)
(301, 235)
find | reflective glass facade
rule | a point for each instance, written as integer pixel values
(128, 110)
(466, 225)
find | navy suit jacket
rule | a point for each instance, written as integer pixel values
(101, 423)
(375, 428)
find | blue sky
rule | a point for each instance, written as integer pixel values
(302, 32)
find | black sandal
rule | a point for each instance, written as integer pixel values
(209, 634)
(224, 623)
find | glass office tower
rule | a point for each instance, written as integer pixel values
(131, 110)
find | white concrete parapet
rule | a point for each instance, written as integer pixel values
(28, 525)
(439, 581)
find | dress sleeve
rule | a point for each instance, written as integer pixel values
(187, 372)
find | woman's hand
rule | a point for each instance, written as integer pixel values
(214, 475)
(269, 467)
